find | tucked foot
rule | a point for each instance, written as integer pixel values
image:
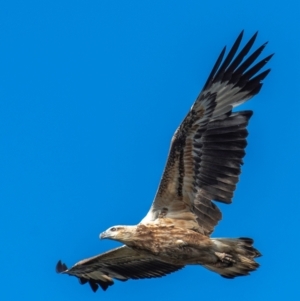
(226, 258)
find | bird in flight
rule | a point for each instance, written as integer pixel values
(203, 166)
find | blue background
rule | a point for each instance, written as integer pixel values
(90, 95)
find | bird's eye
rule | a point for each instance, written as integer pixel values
(113, 229)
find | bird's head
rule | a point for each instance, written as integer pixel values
(119, 233)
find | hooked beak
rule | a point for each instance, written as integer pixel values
(103, 235)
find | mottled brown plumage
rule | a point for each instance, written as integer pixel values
(168, 242)
(203, 166)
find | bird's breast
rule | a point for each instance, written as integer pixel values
(171, 242)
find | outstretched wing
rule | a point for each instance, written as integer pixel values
(122, 263)
(206, 150)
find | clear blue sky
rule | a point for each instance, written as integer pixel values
(90, 95)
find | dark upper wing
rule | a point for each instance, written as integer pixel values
(207, 149)
(122, 263)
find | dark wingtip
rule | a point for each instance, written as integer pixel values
(83, 280)
(104, 285)
(60, 267)
(94, 284)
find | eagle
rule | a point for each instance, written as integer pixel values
(203, 167)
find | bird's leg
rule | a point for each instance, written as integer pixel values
(224, 257)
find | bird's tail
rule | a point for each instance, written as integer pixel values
(235, 257)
